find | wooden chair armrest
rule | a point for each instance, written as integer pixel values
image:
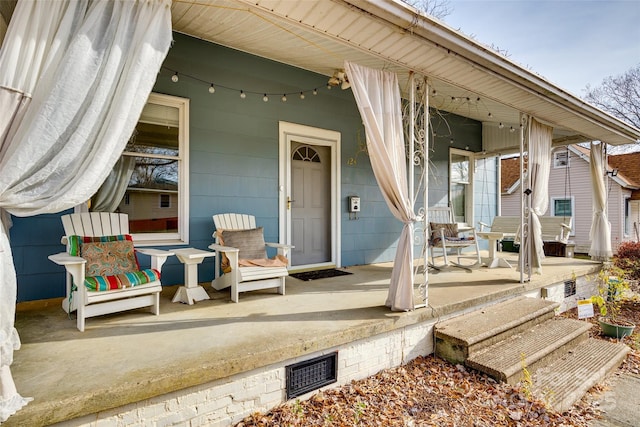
(483, 225)
(158, 256)
(74, 265)
(279, 245)
(221, 248)
(283, 249)
(64, 258)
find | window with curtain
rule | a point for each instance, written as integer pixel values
(150, 181)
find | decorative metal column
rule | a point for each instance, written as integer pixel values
(524, 260)
(418, 152)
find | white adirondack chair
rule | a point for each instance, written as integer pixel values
(245, 278)
(90, 303)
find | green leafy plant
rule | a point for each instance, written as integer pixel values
(527, 378)
(612, 284)
(359, 408)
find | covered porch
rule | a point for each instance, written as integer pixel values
(203, 361)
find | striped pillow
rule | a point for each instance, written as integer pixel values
(120, 281)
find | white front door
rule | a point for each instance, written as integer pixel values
(309, 195)
(310, 204)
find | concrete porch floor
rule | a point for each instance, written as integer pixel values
(131, 356)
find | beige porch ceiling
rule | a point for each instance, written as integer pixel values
(319, 35)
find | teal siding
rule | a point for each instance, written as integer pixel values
(234, 160)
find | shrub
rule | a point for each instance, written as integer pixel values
(628, 259)
(611, 288)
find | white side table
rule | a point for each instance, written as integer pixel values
(494, 260)
(191, 291)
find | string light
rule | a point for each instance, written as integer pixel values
(501, 125)
(213, 87)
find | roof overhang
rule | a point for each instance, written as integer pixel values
(388, 34)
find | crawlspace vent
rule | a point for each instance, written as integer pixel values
(569, 288)
(312, 374)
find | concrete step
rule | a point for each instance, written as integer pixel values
(461, 336)
(539, 346)
(565, 381)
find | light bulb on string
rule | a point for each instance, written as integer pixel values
(212, 89)
(265, 98)
(490, 114)
(501, 125)
(511, 129)
(175, 78)
(284, 98)
(242, 94)
(301, 95)
(329, 86)
(315, 91)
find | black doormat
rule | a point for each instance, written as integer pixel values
(319, 274)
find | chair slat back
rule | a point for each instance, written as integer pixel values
(95, 224)
(441, 214)
(233, 221)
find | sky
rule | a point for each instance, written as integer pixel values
(571, 43)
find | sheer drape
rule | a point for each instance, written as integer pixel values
(112, 190)
(74, 77)
(378, 97)
(600, 233)
(539, 143)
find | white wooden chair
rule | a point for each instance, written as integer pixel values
(446, 237)
(245, 278)
(88, 302)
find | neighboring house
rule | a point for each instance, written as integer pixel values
(570, 193)
(248, 116)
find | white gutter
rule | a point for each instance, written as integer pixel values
(437, 33)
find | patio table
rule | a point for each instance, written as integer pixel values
(191, 291)
(494, 260)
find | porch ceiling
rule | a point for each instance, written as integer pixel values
(386, 34)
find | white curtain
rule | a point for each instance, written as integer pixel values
(74, 77)
(377, 95)
(110, 193)
(539, 143)
(600, 233)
